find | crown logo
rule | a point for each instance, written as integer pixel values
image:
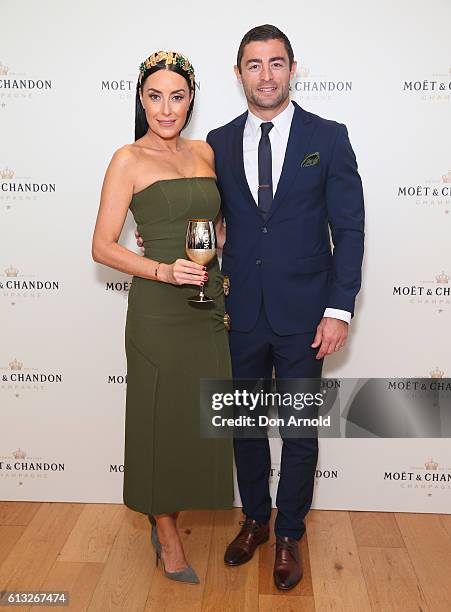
(15, 365)
(7, 173)
(3, 69)
(304, 72)
(436, 373)
(442, 278)
(446, 178)
(11, 271)
(431, 465)
(19, 454)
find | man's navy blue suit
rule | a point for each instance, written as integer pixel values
(282, 277)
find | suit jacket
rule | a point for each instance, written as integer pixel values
(286, 258)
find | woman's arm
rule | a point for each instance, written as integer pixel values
(117, 192)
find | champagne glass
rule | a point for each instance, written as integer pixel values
(200, 247)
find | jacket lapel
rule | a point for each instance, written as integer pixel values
(301, 131)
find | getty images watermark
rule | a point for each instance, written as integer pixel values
(337, 408)
(243, 399)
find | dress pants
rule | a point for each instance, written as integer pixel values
(254, 354)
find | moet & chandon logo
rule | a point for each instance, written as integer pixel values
(121, 88)
(318, 87)
(433, 292)
(21, 466)
(435, 88)
(125, 88)
(116, 468)
(320, 473)
(17, 378)
(119, 379)
(430, 477)
(20, 188)
(18, 85)
(430, 193)
(121, 286)
(19, 286)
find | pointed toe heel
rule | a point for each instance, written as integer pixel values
(185, 575)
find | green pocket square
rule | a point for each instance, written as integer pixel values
(311, 159)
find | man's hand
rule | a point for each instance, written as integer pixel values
(331, 334)
(139, 240)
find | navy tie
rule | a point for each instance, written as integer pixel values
(265, 194)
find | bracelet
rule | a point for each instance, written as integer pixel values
(156, 270)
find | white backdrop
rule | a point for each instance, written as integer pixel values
(67, 78)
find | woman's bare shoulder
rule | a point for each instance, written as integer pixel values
(204, 150)
(201, 145)
(127, 154)
(125, 161)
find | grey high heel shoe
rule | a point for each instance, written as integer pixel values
(184, 575)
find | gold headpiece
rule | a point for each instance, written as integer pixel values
(171, 57)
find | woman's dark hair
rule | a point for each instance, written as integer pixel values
(263, 33)
(141, 125)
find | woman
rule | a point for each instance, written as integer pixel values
(170, 342)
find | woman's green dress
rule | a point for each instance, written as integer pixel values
(170, 345)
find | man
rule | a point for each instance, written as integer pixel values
(286, 176)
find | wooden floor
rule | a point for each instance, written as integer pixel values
(101, 554)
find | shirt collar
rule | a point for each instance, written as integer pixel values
(281, 122)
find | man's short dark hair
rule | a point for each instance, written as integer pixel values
(263, 33)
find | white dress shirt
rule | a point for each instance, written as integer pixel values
(278, 137)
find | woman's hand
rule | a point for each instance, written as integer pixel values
(183, 272)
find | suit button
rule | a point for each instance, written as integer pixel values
(258, 262)
(226, 285)
(265, 230)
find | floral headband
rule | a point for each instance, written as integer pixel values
(171, 57)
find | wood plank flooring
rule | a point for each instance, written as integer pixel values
(101, 554)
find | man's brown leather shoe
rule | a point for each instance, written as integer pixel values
(242, 548)
(287, 566)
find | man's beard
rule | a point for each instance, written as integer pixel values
(265, 103)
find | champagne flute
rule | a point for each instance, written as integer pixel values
(200, 247)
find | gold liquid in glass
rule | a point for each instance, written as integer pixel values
(200, 247)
